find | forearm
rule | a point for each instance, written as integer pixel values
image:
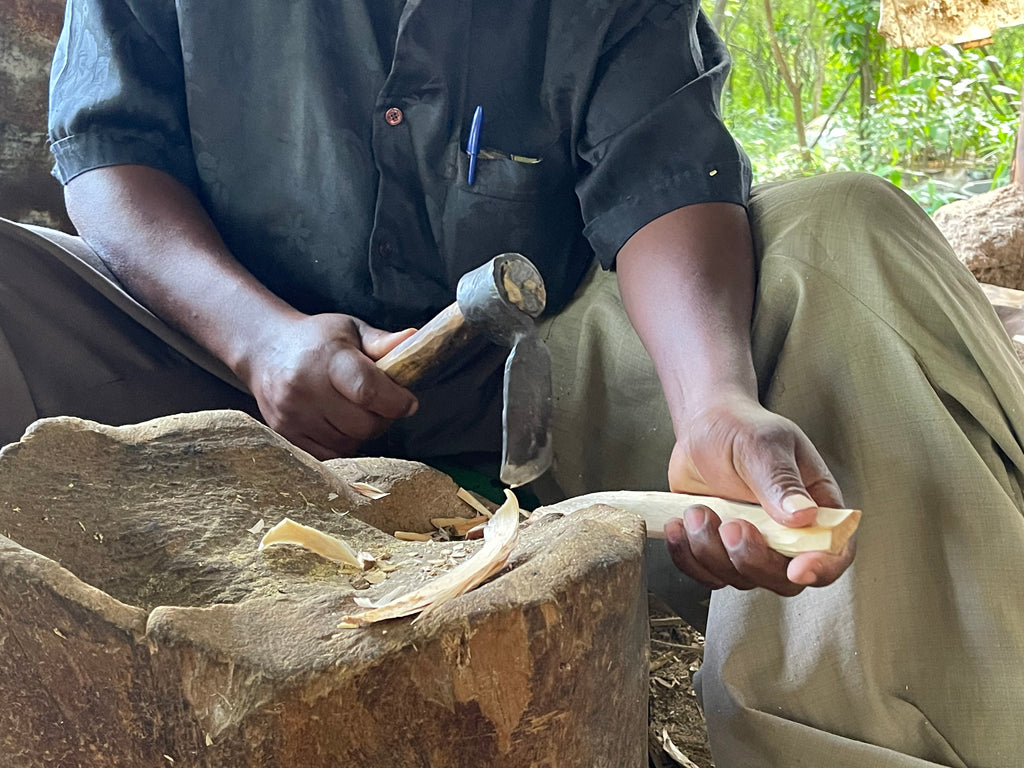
(159, 242)
(687, 283)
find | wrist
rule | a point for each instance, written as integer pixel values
(251, 337)
(691, 396)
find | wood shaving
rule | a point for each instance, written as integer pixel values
(473, 501)
(260, 525)
(289, 532)
(500, 537)
(412, 536)
(369, 491)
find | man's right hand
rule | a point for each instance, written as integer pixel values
(316, 383)
(313, 377)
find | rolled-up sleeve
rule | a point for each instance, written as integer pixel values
(117, 91)
(653, 139)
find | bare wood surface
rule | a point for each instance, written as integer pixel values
(833, 529)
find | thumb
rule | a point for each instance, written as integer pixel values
(775, 478)
(377, 343)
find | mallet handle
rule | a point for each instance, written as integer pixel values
(435, 342)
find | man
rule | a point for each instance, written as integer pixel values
(284, 187)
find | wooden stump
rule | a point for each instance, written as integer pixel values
(140, 626)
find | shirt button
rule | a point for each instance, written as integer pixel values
(385, 248)
(393, 116)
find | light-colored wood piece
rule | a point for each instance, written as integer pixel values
(500, 537)
(473, 501)
(289, 532)
(431, 344)
(833, 528)
(412, 536)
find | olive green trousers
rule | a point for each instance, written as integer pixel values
(867, 333)
(871, 336)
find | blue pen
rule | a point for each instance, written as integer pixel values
(473, 145)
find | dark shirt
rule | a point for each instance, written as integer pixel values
(326, 139)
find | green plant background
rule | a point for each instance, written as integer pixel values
(939, 122)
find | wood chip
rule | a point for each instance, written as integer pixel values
(460, 525)
(412, 536)
(290, 532)
(260, 525)
(448, 522)
(369, 491)
(500, 537)
(366, 560)
(473, 501)
(375, 576)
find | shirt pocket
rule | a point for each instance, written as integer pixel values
(513, 205)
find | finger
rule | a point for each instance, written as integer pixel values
(345, 427)
(683, 557)
(332, 427)
(753, 560)
(320, 450)
(702, 533)
(788, 476)
(363, 384)
(819, 569)
(377, 343)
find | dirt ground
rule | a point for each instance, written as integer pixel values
(677, 650)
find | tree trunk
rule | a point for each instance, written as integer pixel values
(164, 637)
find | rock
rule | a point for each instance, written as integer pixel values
(140, 626)
(987, 234)
(28, 34)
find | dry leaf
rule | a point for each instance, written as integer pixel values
(369, 491)
(290, 532)
(500, 537)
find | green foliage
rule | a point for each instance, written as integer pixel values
(940, 122)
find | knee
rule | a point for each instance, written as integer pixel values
(842, 217)
(854, 202)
